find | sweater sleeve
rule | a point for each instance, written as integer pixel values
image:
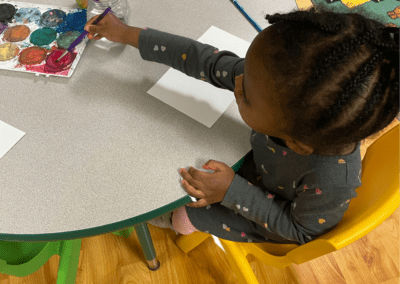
(309, 215)
(195, 59)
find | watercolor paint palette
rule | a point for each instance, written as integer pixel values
(33, 36)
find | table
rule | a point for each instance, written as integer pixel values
(100, 154)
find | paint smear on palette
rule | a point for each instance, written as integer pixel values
(65, 39)
(52, 18)
(3, 27)
(75, 21)
(17, 33)
(7, 12)
(43, 36)
(27, 15)
(51, 67)
(8, 51)
(32, 55)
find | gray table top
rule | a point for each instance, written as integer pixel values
(100, 154)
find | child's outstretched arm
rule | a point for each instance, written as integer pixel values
(201, 61)
(114, 30)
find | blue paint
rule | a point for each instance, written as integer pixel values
(26, 15)
(75, 21)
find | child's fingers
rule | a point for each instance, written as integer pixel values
(192, 191)
(91, 21)
(198, 204)
(189, 177)
(93, 29)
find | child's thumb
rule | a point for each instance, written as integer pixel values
(212, 165)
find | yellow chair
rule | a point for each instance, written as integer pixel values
(376, 200)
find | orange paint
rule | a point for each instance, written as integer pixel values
(17, 33)
(32, 55)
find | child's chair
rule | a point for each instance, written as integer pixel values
(21, 259)
(376, 200)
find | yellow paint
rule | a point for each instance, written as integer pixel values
(82, 3)
(8, 51)
(304, 4)
(354, 3)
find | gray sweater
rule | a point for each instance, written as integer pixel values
(303, 197)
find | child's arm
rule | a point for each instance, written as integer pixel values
(114, 30)
(195, 59)
(132, 36)
(312, 213)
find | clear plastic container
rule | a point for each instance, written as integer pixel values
(118, 7)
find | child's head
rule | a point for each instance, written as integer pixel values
(321, 81)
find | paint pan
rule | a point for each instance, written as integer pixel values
(32, 35)
(32, 55)
(8, 51)
(7, 12)
(27, 15)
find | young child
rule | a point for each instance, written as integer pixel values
(312, 86)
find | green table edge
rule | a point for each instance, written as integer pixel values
(110, 228)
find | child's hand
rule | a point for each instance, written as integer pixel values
(211, 188)
(109, 27)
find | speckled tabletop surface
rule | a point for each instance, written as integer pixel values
(98, 149)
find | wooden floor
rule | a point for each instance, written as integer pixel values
(110, 259)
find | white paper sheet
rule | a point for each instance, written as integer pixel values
(195, 98)
(9, 136)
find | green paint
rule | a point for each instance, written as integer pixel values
(65, 39)
(43, 36)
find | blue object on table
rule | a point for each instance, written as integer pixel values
(83, 35)
(258, 28)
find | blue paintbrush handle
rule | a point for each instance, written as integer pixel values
(258, 28)
(84, 34)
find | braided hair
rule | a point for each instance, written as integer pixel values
(340, 77)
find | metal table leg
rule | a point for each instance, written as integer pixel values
(142, 231)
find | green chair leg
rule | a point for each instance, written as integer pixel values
(69, 260)
(142, 231)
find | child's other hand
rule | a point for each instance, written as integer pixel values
(209, 187)
(109, 27)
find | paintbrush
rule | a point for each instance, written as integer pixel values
(241, 9)
(83, 35)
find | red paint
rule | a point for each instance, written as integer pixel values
(49, 69)
(64, 64)
(41, 69)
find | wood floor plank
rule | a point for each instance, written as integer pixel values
(110, 259)
(323, 270)
(393, 281)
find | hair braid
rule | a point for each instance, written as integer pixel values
(394, 48)
(356, 109)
